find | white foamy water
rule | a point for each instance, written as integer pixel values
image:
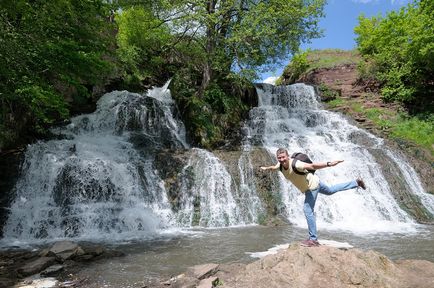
(207, 193)
(291, 117)
(95, 184)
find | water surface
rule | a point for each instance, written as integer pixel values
(171, 255)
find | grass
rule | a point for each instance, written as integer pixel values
(417, 130)
(309, 60)
(403, 126)
(328, 58)
(335, 103)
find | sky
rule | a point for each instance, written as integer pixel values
(338, 26)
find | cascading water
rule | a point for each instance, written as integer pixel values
(210, 188)
(290, 117)
(99, 181)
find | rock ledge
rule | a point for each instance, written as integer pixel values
(322, 266)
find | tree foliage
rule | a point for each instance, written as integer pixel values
(54, 53)
(399, 50)
(242, 36)
(50, 50)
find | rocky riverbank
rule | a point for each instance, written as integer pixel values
(291, 266)
(321, 266)
(54, 266)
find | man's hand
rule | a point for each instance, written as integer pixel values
(334, 163)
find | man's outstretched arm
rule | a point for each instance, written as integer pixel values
(319, 165)
(275, 167)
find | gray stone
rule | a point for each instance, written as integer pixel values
(203, 271)
(66, 250)
(207, 283)
(181, 281)
(63, 246)
(36, 266)
(52, 270)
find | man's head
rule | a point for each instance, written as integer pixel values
(282, 155)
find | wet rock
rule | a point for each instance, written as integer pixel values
(52, 270)
(66, 250)
(36, 266)
(10, 164)
(6, 282)
(400, 188)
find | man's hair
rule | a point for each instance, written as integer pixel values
(281, 150)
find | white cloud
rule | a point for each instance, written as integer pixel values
(271, 80)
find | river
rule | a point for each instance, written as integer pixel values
(171, 254)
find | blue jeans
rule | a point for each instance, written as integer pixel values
(309, 202)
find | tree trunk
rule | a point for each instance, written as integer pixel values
(206, 78)
(210, 46)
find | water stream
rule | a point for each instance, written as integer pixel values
(291, 117)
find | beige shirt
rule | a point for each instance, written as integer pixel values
(302, 182)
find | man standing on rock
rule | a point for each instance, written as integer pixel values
(310, 185)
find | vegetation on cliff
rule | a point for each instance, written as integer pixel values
(398, 51)
(58, 57)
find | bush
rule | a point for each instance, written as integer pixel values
(399, 52)
(299, 64)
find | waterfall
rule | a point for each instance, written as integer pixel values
(291, 117)
(249, 200)
(207, 199)
(98, 180)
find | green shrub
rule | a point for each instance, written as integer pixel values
(399, 52)
(297, 67)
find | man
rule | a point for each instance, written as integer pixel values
(310, 185)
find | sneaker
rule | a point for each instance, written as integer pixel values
(309, 243)
(361, 183)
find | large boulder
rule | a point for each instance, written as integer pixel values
(66, 250)
(322, 266)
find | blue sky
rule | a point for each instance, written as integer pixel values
(339, 22)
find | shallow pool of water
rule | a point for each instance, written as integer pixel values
(171, 254)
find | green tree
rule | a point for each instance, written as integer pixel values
(244, 36)
(52, 53)
(401, 46)
(143, 42)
